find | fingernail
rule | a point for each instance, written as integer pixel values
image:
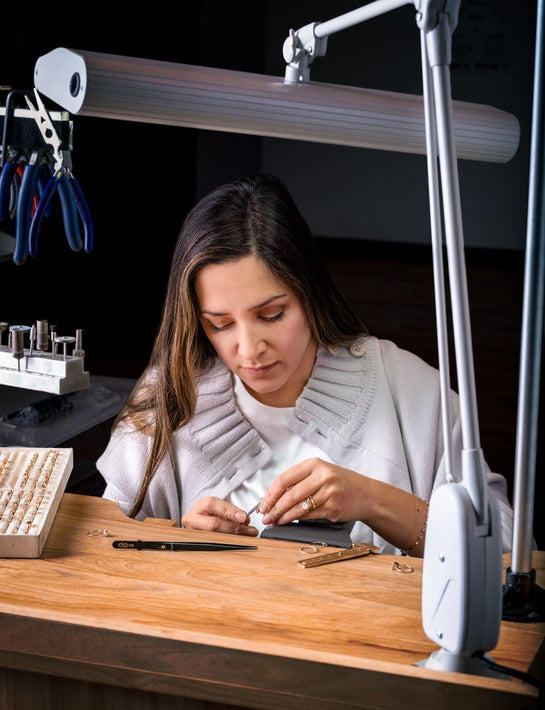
(240, 516)
(263, 508)
(266, 519)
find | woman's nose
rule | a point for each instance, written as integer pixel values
(250, 343)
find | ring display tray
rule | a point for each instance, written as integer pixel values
(32, 482)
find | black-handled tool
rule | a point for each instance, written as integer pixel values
(177, 546)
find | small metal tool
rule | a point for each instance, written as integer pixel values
(53, 330)
(17, 342)
(42, 333)
(64, 340)
(254, 509)
(32, 341)
(78, 350)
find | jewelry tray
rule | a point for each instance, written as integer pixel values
(32, 482)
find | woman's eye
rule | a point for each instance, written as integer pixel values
(268, 319)
(271, 319)
(218, 328)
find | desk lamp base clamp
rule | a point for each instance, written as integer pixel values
(523, 599)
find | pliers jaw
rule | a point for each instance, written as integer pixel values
(47, 129)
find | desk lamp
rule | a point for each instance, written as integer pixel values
(462, 563)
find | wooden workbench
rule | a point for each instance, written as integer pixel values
(90, 627)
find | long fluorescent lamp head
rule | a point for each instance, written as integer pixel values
(152, 91)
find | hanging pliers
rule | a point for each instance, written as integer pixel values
(62, 180)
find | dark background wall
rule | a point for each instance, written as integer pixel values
(368, 208)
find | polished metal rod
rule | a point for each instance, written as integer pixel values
(532, 329)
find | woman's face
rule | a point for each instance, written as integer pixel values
(257, 327)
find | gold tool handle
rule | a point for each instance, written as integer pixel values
(358, 550)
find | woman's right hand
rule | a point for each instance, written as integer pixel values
(217, 515)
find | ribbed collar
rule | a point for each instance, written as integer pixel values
(330, 411)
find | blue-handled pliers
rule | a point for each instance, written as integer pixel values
(10, 160)
(25, 199)
(7, 176)
(73, 202)
(17, 198)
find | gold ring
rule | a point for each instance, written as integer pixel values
(102, 532)
(403, 569)
(308, 504)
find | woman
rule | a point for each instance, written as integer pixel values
(263, 385)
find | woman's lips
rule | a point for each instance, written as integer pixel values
(261, 370)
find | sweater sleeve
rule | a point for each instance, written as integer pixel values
(122, 465)
(415, 390)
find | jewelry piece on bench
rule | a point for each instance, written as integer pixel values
(101, 532)
(402, 569)
(312, 548)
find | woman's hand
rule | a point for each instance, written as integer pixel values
(315, 489)
(318, 489)
(217, 515)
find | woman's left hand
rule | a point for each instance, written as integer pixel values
(315, 489)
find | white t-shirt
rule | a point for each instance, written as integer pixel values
(288, 449)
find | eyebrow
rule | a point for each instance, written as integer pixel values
(253, 308)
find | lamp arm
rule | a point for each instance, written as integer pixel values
(434, 193)
(302, 46)
(438, 42)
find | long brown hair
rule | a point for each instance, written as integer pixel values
(251, 216)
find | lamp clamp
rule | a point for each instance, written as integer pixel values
(428, 13)
(299, 50)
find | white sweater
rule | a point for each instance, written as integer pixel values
(373, 408)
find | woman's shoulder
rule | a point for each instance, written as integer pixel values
(395, 357)
(381, 356)
(366, 349)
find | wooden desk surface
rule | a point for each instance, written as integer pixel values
(239, 628)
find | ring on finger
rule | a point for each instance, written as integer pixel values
(308, 504)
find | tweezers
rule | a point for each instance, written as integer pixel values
(176, 546)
